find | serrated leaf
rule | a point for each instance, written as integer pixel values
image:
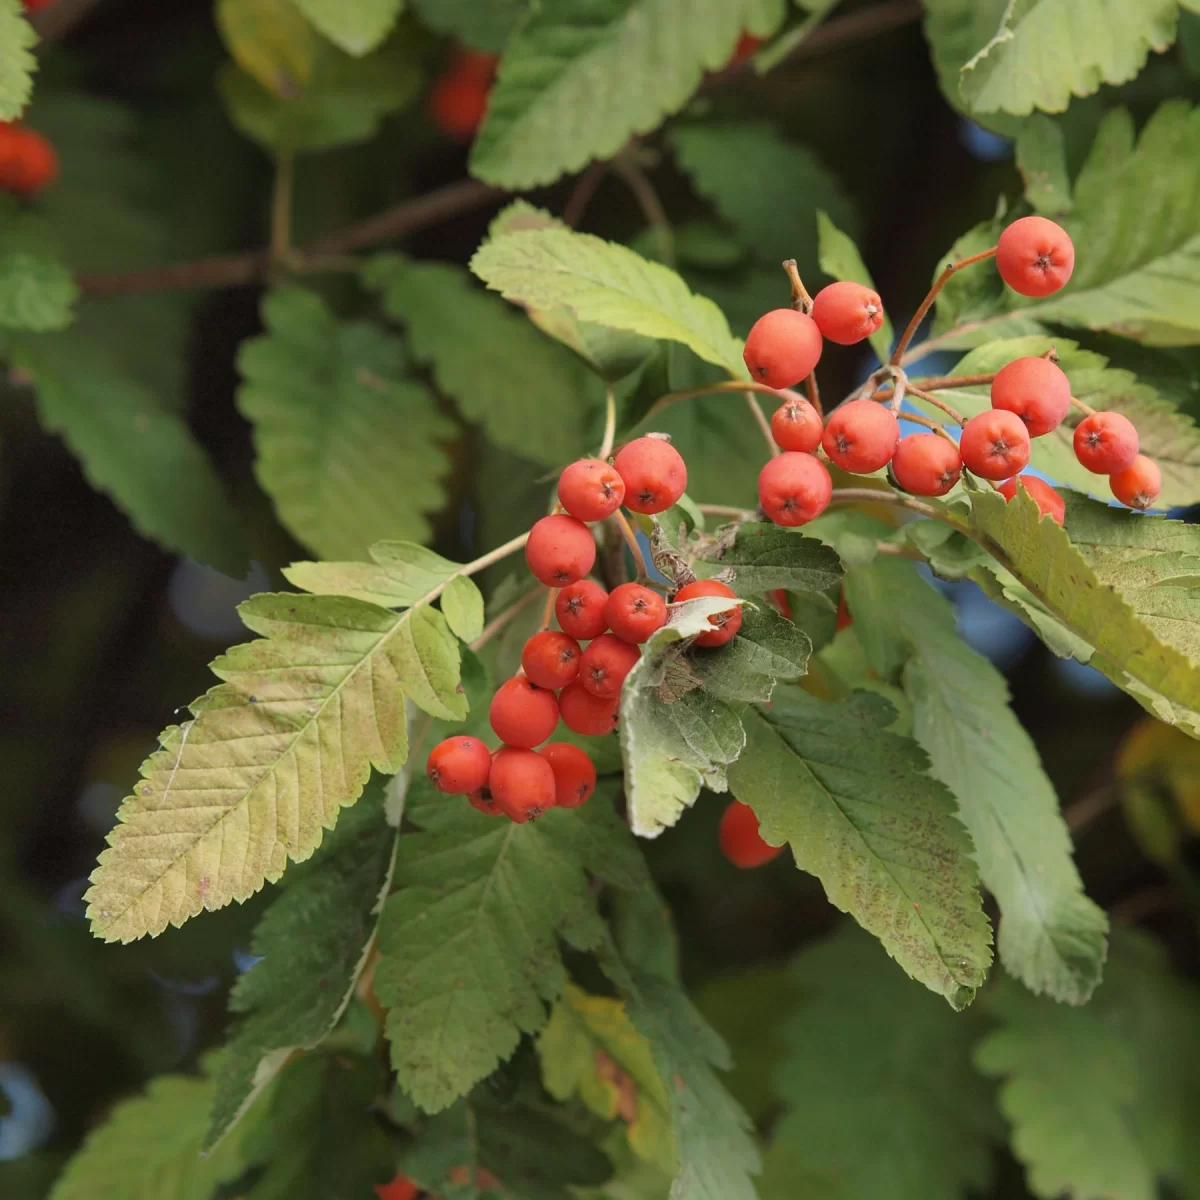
(462, 606)
(607, 284)
(357, 27)
(861, 1039)
(860, 812)
(1042, 161)
(470, 941)
(313, 943)
(764, 557)
(273, 754)
(529, 395)
(578, 79)
(37, 291)
(348, 451)
(17, 63)
(483, 26)
(840, 259)
(271, 41)
(955, 31)
(399, 574)
(766, 649)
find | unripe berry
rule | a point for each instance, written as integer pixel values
(847, 312)
(522, 783)
(654, 472)
(523, 714)
(740, 840)
(796, 425)
(551, 659)
(605, 664)
(1050, 503)
(1139, 484)
(574, 773)
(794, 488)
(1106, 442)
(726, 624)
(560, 550)
(1035, 257)
(995, 444)
(587, 714)
(401, 1188)
(634, 612)
(459, 765)
(926, 464)
(580, 610)
(783, 348)
(861, 436)
(590, 489)
(1036, 390)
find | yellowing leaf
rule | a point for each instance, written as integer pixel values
(271, 41)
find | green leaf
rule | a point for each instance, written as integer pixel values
(529, 395)
(766, 649)
(1103, 1100)
(348, 451)
(37, 291)
(483, 26)
(271, 41)
(1018, 70)
(860, 812)
(863, 1041)
(470, 941)
(609, 285)
(955, 30)
(840, 259)
(462, 606)
(321, 699)
(1042, 161)
(764, 557)
(17, 63)
(357, 27)
(400, 574)
(313, 943)
(578, 79)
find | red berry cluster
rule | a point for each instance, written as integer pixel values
(28, 162)
(575, 673)
(459, 99)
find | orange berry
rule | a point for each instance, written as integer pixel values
(654, 472)
(634, 612)
(521, 783)
(995, 444)
(459, 765)
(794, 488)
(574, 773)
(796, 425)
(590, 489)
(1139, 484)
(726, 624)
(740, 840)
(560, 550)
(783, 348)
(1036, 390)
(586, 714)
(605, 664)
(580, 610)
(847, 312)
(926, 464)
(523, 714)
(1106, 442)
(1050, 503)
(551, 659)
(1035, 256)
(861, 436)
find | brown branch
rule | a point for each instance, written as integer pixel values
(856, 27)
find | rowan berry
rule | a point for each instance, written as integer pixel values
(401, 1188)
(605, 664)
(1106, 442)
(783, 348)
(551, 659)
(459, 765)
(995, 444)
(926, 464)
(726, 624)
(590, 489)
(740, 840)
(1050, 503)
(33, 5)
(861, 436)
(587, 714)
(794, 488)
(580, 610)
(521, 783)
(844, 618)
(28, 162)
(654, 472)
(847, 312)
(574, 773)
(523, 714)
(483, 800)
(1036, 390)
(560, 550)
(459, 99)
(634, 612)
(747, 46)
(1035, 257)
(1139, 484)
(796, 425)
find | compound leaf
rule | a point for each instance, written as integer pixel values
(37, 291)
(764, 557)
(17, 63)
(399, 574)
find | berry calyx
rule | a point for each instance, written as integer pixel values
(926, 464)
(551, 659)
(861, 436)
(654, 472)
(740, 840)
(783, 348)
(1035, 256)
(796, 425)
(847, 312)
(794, 488)
(1139, 484)
(459, 765)
(483, 800)
(586, 714)
(560, 550)
(726, 624)
(634, 612)
(995, 444)
(1050, 503)
(1106, 442)
(521, 783)
(605, 664)
(1036, 390)
(580, 610)
(591, 489)
(574, 773)
(523, 714)
(401, 1188)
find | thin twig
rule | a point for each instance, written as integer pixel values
(1086, 408)
(632, 542)
(548, 607)
(728, 510)
(930, 398)
(610, 422)
(498, 622)
(1082, 812)
(844, 496)
(814, 393)
(648, 201)
(801, 300)
(713, 389)
(940, 282)
(928, 423)
(582, 193)
(764, 425)
(281, 207)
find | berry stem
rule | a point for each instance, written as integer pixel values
(713, 389)
(943, 382)
(907, 336)
(928, 423)
(648, 201)
(632, 542)
(930, 398)
(801, 300)
(548, 608)
(1085, 408)
(814, 394)
(610, 423)
(763, 424)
